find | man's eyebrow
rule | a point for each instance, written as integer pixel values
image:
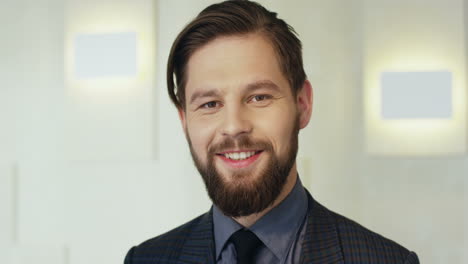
(262, 84)
(201, 94)
(249, 88)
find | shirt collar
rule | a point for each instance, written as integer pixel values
(224, 227)
(277, 229)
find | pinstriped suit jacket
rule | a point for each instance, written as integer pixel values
(330, 238)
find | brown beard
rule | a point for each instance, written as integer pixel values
(239, 197)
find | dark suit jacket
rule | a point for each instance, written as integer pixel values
(330, 238)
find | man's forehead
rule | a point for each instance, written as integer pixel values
(230, 49)
(235, 62)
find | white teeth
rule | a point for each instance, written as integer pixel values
(243, 155)
(239, 155)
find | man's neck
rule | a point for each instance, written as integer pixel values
(249, 220)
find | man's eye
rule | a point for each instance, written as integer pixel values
(260, 97)
(208, 105)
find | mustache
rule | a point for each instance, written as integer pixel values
(240, 142)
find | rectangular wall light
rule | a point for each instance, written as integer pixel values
(411, 95)
(414, 85)
(105, 55)
(416, 113)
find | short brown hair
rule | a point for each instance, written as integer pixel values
(235, 17)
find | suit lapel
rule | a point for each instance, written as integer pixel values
(199, 245)
(321, 242)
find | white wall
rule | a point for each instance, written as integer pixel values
(413, 200)
(71, 194)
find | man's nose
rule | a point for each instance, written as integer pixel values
(236, 122)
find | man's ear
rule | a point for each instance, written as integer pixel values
(304, 103)
(182, 118)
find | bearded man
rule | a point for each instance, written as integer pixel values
(235, 74)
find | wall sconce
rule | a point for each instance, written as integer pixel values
(414, 79)
(415, 113)
(415, 95)
(105, 55)
(110, 79)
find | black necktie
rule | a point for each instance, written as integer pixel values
(246, 244)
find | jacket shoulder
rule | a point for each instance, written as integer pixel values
(361, 245)
(164, 248)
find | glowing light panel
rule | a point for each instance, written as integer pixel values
(396, 39)
(409, 95)
(103, 55)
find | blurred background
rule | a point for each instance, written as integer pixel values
(92, 155)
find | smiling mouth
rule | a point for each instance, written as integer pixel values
(239, 159)
(238, 155)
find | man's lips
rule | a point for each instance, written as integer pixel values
(238, 154)
(239, 158)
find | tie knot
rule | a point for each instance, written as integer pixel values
(246, 244)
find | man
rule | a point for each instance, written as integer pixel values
(236, 76)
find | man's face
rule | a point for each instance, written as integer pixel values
(242, 122)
